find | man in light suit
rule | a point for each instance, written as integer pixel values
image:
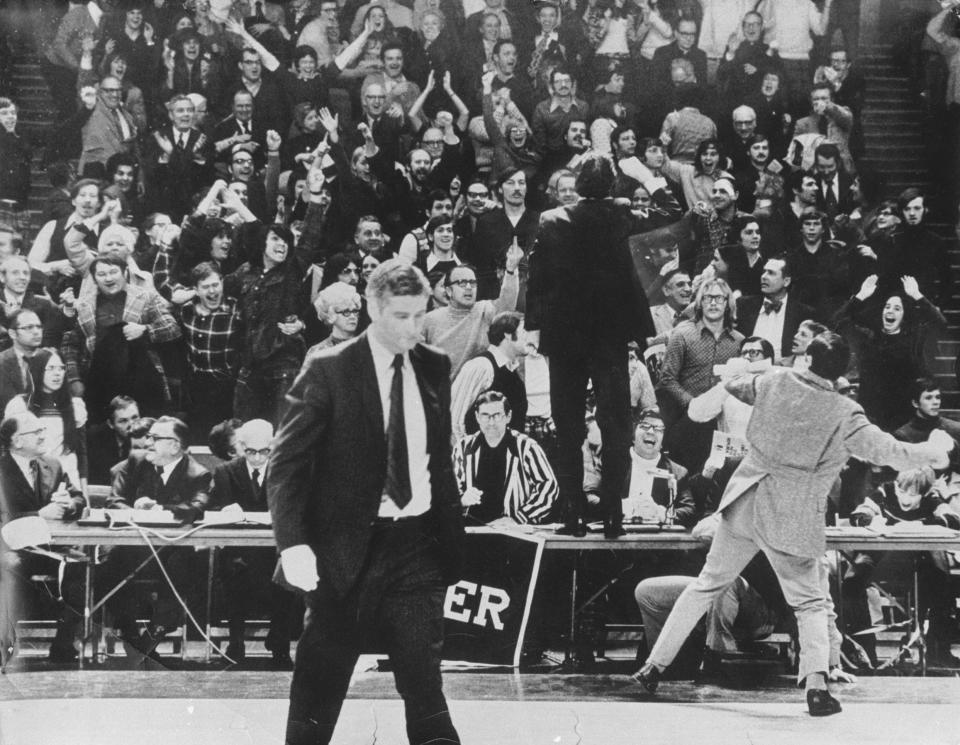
(109, 129)
(801, 434)
(33, 484)
(366, 512)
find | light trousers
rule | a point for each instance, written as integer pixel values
(734, 545)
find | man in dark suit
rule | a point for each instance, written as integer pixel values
(833, 182)
(239, 129)
(182, 161)
(16, 279)
(26, 332)
(163, 477)
(108, 443)
(34, 484)
(246, 573)
(685, 47)
(366, 512)
(584, 305)
(775, 314)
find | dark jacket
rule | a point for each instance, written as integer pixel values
(329, 464)
(232, 485)
(18, 499)
(186, 492)
(749, 308)
(583, 290)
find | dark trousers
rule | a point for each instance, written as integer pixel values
(188, 572)
(606, 366)
(396, 605)
(211, 401)
(261, 393)
(18, 593)
(246, 575)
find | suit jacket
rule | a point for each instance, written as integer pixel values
(839, 126)
(18, 498)
(104, 453)
(102, 136)
(749, 308)
(49, 313)
(232, 484)
(178, 176)
(228, 127)
(667, 54)
(583, 289)
(329, 463)
(11, 377)
(801, 435)
(189, 484)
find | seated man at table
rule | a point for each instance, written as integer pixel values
(660, 490)
(246, 573)
(503, 475)
(162, 477)
(32, 483)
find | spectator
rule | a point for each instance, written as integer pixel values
(48, 253)
(460, 328)
(807, 331)
(834, 182)
(830, 119)
(110, 129)
(213, 336)
(182, 162)
(677, 293)
(15, 157)
(504, 476)
(683, 47)
(685, 128)
(26, 333)
(821, 266)
(552, 116)
(891, 349)
(776, 313)
(108, 442)
(925, 397)
(494, 370)
(793, 24)
(113, 347)
(339, 306)
(15, 278)
(269, 301)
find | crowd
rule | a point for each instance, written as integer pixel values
(227, 175)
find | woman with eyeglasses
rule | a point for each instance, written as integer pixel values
(63, 417)
(339, 306)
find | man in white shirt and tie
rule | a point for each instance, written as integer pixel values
(773, 315)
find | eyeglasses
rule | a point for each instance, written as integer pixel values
(370, 266)
(348, 312)
(715, 299)
(155, 438)
(111, 90)
(428, 143)
(463, 283)
(30, 327)
(650, 427)
(494, 417)
(56, 368)
(349, 270)
(751, 353)
(375, 98)
(478, 194)
(264, 452)
(886, 213)
(243, 161)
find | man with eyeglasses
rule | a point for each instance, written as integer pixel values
(15, 293)
(162, 477)
(460, 328)
(26, 334)
(213, 335)
(33, 483)
(685, 47)
(478, 203)
(110, 129)
(246, 572)
(503, 475)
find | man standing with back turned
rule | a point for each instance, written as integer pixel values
(801, 434)
(366, 512)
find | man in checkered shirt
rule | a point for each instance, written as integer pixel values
(213, 333)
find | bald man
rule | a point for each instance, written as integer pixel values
(247, 572)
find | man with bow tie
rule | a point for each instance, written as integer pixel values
(773, 315)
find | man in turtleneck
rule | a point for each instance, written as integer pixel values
(925, 398)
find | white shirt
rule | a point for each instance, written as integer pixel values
(415, 423)
(166, 470)
(639, 502)
(769, 326)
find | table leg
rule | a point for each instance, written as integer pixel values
(917, 620)
(87, 632)
(211, 566)
(572, 632)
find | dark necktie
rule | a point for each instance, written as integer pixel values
(181, 141)
(27, 377)
(772, 306)
(398, 471)
(257, 486)
(830, 198)
(35, 471)
(158, 483)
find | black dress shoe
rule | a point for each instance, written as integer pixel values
(281, 659)
(648, 676)
(578, 529)
(613, 530)
(62, 653)
(821, 704)
(236, 651)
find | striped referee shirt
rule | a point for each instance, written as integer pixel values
(213, 338)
